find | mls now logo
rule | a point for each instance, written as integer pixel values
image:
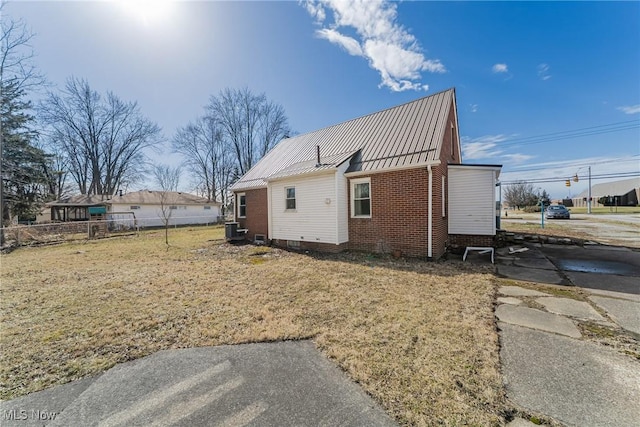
(23, 415)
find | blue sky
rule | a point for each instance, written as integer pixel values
(543, 88)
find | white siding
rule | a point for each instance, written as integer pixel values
(151, 215)
(315, 216)
(472, 201)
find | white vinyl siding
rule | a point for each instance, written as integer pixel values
(472, 201)
(315, 218)
(151, 215)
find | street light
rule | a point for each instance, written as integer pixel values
(576, 179)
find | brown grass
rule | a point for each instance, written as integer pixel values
(419, 337)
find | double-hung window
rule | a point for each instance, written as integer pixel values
(361, 198)
(290, 198)
(242, 205)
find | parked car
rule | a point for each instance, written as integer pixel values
(557, 212)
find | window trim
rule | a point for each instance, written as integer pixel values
(355, 182)
(240, 205)
(287, 199)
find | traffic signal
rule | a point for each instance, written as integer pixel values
(567, 183)
(575, 178)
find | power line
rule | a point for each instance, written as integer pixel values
(635, 157)
(570, 134)
(562, 179)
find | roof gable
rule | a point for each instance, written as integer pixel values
(408, 135)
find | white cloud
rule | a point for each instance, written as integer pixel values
(316, 10)
(379, 38)
(500, 68)
(543, 72)
(630, 109)
(517, 158)
(473, 107)
(349, 44)
(482, 147)
(487, 147)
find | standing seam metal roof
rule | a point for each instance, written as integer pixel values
(407, 135)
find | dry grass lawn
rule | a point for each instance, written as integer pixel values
(420, 337)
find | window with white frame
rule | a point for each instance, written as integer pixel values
(290, 195)
(242, 205)
(361, 198)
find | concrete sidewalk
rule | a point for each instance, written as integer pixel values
(548, 368)
(266, 384)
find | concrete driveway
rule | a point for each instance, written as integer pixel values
(549, 367)
(265, 384)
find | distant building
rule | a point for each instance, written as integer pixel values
(139, 208)
(623, 193)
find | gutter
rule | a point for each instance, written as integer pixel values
(430, 215)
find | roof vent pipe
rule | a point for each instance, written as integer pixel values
(318, 164)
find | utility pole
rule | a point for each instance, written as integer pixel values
(589, 199)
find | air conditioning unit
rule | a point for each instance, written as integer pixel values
(233, 233)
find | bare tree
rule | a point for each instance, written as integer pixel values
(102, 138)
(168, 179)
(21, 179)
(16, 55)
(521, 194)
(206, 155)
(250, 124)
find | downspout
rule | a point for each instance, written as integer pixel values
(430, 215)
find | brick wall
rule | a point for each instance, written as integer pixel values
(257, 219)
(399, 204)
(448, 155)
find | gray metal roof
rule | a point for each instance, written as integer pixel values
(142, 197)
(615, 188)
(312, 166)
(150, 197)
(80, 200)
(403, 136)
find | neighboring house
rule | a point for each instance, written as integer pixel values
(139, 208)
(147, 207)
(376, 183)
